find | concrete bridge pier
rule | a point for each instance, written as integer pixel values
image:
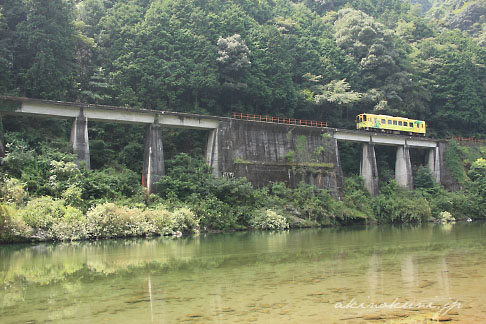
(153, 162)
(403, 167)
(368, 169)
(79, 139)
(212, 151)
(433, 162)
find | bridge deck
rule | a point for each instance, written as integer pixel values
(59, 109)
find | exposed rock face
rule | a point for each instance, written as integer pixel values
(466, 15)
(471, 14)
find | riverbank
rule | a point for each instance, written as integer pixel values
(45, 196)
(190, 200)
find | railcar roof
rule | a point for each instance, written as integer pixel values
(388, 116)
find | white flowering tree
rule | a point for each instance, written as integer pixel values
(233, 60)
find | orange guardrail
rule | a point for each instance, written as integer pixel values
(468, 139)
(279, 120)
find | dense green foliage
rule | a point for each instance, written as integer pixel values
(192, 199)
(309, 59)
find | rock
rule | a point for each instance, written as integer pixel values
(194, 315)
(441, 318)
(396, 314)
(372, 317)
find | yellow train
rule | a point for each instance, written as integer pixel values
(390, 124)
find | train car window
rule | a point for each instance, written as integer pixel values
(364, 117)
(405, 124)
(389, 122)
(394, 122)
(400, 123)
(383, 121)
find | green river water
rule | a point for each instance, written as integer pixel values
(338, 275)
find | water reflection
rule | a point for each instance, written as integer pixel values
(250, 277)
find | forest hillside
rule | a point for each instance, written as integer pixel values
(313, 59)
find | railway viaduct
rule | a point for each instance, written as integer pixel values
(261, 151)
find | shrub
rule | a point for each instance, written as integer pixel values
(184, 220)
(71, 227)
(184, 176)
(477, 188)
(161, 219)
(63, 175)
(397, 205)
(443, 201)
(446, 217)
(51, 220)
(268, 219)
(453, 157)
(19, 155)
(356, 199)
(73, 196)
(315, 204)
(12, 228)
(110, 184)
(109, 220)
(41, 213)
(213, 213)
(423, 178)
(13, 191)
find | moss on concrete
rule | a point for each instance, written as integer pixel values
(287, 164)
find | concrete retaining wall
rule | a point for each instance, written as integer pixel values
(266, 152)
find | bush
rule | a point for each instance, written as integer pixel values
(213, 213)
(423, 178)
(268, 219)
(71, 227)
(446, 217)
(51, 220)
(442, 201)
(317, 205)
(477, 188)
(109, 220)
(12, 228)
(184, 176)
(73, 196)
(398, 205)
(63, 175)
(41, 213)
(356, 200)
(18, 156)
(184, 220)
(110, 184)
(13, 191)
(161, 219)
